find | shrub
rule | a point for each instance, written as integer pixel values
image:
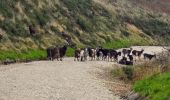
(129, 71)
(125, 73)
(5, 8)
(118, 72)
(42, 18)
(85, 24)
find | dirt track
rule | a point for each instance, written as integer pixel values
(46, 80)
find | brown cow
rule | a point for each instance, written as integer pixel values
(77, 54)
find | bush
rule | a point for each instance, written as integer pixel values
(129, 71)
(85, 24)
(5, 8)
(118, 72)
(125, 73)
(42, 18)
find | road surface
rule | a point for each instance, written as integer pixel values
(53, 80)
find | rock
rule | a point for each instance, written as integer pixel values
(134, 96)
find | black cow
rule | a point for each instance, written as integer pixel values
(56, 52)
(50, 52)
(149, 56)
(62, 52)
(114, 55)
(137, 53)
(105, 52)
(124, 61)
(92, 53)
(99, 54)
(130, 57)
(126, 51)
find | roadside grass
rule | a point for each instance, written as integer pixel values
(28, 55)
(156, 87)
(24, 55)
(125, 43)
(70, 52)
(150, 79)
(155, 78)
(117, 44)
(135, 73)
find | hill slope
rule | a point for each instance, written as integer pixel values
(88, 22)
(162, 6)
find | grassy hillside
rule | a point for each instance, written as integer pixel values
(88, 22)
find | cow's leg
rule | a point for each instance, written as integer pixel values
(144, 58)
(108, 58)
(84, 58)
(61, 59)
(81, 58)
(135, 58)
(57, 58)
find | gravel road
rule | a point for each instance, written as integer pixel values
(53, 80)
(47, 80)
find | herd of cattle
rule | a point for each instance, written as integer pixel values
(128, 55)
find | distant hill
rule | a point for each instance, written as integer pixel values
(162, 6)
(88, 22)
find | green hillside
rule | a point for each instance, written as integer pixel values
(88, 22)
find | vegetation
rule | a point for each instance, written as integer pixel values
(70, 52)
(149, 79)
(125, 73)
(25, 55)
(155, 87)
(107, 23)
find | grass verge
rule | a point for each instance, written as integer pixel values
(126, 42)
(156, 87)
(24, 55)
(70, 52)
(150, 79)
(28, 55)
(117, 44)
